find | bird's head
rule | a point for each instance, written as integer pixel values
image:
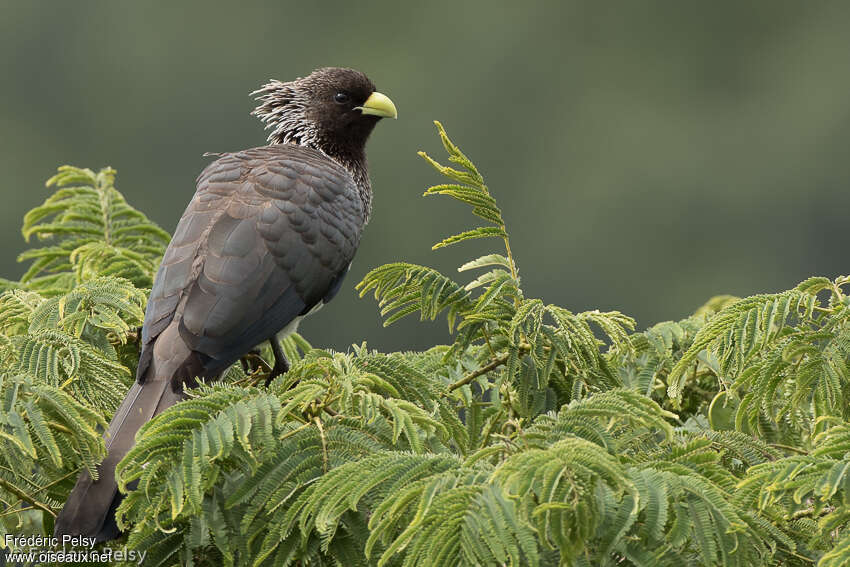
(331, 109)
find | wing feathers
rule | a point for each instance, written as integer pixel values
(268, 234)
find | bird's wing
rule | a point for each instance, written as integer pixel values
(269, 234)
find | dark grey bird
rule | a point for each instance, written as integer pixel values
(267, 238)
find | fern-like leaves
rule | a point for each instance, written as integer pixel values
(93, 232)
(538, 436)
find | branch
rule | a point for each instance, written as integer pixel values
(492, 365)
(26, 497)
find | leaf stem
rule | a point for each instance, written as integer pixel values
(789, 448)
(324, 444)
(514, 272)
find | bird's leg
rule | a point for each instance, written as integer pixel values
(281, 365)
(244, 362)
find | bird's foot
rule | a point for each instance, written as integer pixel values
(252, 361)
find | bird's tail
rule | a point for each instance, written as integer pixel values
(90, 508)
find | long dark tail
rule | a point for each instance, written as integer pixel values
(90, 508)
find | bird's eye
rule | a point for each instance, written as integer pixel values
(341, 98)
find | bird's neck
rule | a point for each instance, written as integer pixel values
(356, 166)
(353, 160)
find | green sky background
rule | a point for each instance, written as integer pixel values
(647, 155)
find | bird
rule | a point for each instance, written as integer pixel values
(267, 239)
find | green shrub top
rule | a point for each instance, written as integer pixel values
(538, 436)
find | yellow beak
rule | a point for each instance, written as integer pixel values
(378, 105)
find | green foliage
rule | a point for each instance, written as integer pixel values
(68, 333)
(538, 436)
(93, 231)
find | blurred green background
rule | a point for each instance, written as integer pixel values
(647, 155)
